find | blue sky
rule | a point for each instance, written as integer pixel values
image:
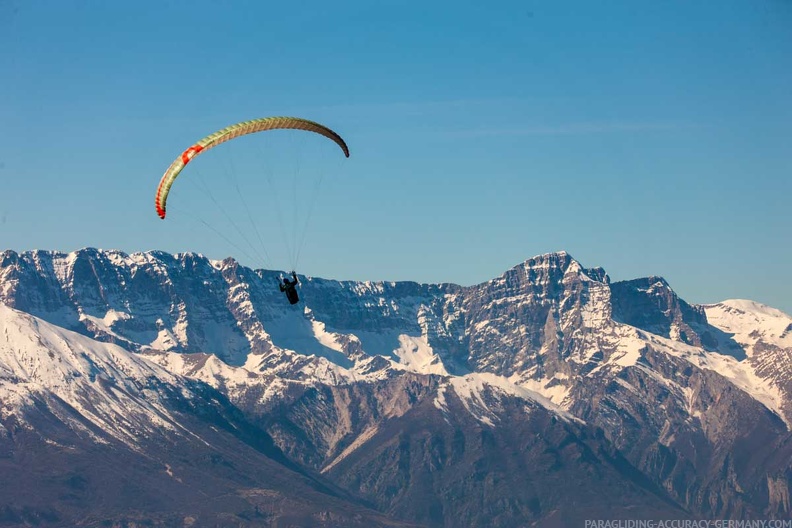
(646, 137)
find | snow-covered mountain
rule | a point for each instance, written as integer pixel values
(100, 390)
(765, 334)
(423, 399)
(92, 434)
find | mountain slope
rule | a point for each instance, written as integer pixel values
(90, 433)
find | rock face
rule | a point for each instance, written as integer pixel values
(548, 395)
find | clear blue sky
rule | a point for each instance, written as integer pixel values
(645, 137)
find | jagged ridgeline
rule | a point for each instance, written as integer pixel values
(158, 388)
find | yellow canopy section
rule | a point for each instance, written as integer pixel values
(231, 132)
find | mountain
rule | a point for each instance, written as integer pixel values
(92, 434)
(547, 395)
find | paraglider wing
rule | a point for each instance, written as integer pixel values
(231, 132)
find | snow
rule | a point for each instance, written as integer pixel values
(470, 390)
(220, 337)
(596, 311)
(750, 322)
(330, 340)
(689, 397)
(753, 306)
(481, 395)
(415, 354)
(557, 393)
(576, 269)
(206, 367)
(440, 399)
(629, 351)
(104, 383)
(62, 266)
(296, 331)
(165, 339)
(105, 323)
(232, 380)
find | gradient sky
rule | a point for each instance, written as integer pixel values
(646, 137)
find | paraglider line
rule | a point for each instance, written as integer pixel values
(232, 176)
(268, 174)
(228, 217)
(311, 205)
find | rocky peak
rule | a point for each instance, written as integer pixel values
(650, 304)
(529, 320)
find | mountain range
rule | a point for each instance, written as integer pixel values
(152, 389)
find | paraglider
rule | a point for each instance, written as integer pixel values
(232, 132)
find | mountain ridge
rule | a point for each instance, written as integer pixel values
(628, 365)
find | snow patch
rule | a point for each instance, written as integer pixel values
(299, 332)
(629, 351)
(557, 393)
(480, 393)
(417, 355)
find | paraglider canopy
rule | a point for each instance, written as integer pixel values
(231, 132)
